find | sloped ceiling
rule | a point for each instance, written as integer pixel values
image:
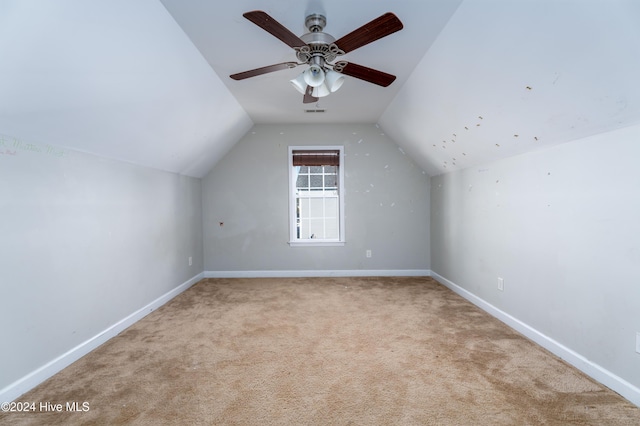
(147, 81)
(115, 78)
(507, 77)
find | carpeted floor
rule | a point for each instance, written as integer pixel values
(325, 351)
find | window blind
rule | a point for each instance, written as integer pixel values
(316, 158)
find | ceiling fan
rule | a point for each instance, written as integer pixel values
(319, 50)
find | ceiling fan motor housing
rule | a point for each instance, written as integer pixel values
(319, 44)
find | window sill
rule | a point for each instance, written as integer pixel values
(316, 243)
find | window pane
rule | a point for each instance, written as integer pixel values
(297, 218)
(316, 169)
(304, 229)
(330, 169)
(316, 181)
(304, 169)
(331, 228)
(319, 218)
(331, 181)
(303, 208)
(316, 228)
(316, 207)
(331, 207)
(303, 181)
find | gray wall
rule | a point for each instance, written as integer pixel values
(562, 227)
(84, 243)
(386, 204)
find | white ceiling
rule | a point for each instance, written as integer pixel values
(115, 78)
(506, 77)
(232, 44)
(146, 81)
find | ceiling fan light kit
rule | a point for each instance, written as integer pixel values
(314, 75)
(318, 50)
(321, 91)
(299, 84)
(333, 80)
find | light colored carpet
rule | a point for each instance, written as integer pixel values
(325, 351)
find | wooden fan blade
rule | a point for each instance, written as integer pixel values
(263, 70)
(270, 25)
(374, 30)
(368, 74)
(308, 98)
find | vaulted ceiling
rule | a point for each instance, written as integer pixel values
(232, 44)
(477, 80)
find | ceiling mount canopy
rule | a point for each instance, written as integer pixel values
(319, 50)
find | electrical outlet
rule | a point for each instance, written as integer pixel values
(190, 261)
(500, 284)
(638, 341)
(368, 253)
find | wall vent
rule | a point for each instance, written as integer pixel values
(312, 111)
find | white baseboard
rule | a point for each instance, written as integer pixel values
(38, 376)
(607, 378)
(320, 273)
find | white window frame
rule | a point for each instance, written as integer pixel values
(293, 240)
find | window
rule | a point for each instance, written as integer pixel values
(316, 212)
